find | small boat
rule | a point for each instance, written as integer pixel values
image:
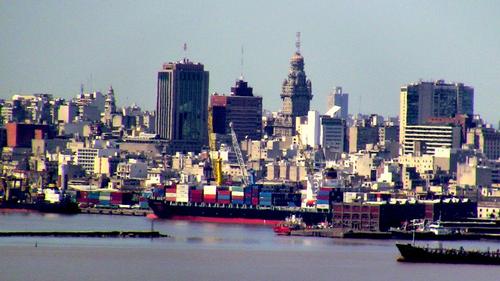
(420, 229)
(291, 223)
(412, 253)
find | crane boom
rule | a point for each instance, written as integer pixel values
(239, 156)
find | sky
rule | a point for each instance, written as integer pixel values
(370, 48)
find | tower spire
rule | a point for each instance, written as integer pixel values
(184, 48)
(297, 43)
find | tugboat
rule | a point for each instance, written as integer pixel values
(291, 223)
(412, 253)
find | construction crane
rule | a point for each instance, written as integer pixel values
(239, 156)
(311, 189)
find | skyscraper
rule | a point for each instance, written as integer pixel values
(182, 105)
(340, 99)
(423, 100)
(296, 95)
(241, 108)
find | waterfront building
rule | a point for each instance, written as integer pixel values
(296, 95)
(182, 105)
(340, 99)
(87, 157)
(423, 100)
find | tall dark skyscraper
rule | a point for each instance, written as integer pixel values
(241, 108)
(296, 95)
(182, 105)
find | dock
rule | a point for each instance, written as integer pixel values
(340, 233)
(86, 234)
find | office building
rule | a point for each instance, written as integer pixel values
(241, 108)
(182, 106)
(423, 100)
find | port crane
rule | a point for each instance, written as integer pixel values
(239, 156)
(311, 189)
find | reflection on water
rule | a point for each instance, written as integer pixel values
(206, 251)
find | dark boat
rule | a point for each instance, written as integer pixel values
(234, 213)
(62, 207)
(411, 253)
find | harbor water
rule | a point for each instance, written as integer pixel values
(207, 251)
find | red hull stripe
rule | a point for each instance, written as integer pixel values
(227, 220)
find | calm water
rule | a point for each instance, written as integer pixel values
(206, 251)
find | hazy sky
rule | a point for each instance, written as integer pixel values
(370, 48)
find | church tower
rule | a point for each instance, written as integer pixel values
(296, 95)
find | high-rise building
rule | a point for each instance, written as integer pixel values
(333, 134)
(241, 108)
(341, 100)
(182, 105)
(296, 95)
(423, 100)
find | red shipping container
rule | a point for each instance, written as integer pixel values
(171, 198)
(171, 190)
(84, 194)
(224, 201)
(83, 200)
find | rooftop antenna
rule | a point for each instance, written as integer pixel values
(297, 43)
(185, 47)
(241, 70)
(81, 88)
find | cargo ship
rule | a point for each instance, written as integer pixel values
(412, 253)
(255, 204)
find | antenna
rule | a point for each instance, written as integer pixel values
(185, 47)
(241, 70)
(81, 88)
(297, 43)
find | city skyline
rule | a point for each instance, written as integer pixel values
(363, 47)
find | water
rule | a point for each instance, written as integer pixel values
(207, 251)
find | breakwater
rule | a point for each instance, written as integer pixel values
(85, 234)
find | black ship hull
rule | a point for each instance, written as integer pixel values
(410, 253)
(233, 214)
(44, 207)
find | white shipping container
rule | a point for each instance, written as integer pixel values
(182, 200)
(238, 193)
(209, 189)
(170, 195)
